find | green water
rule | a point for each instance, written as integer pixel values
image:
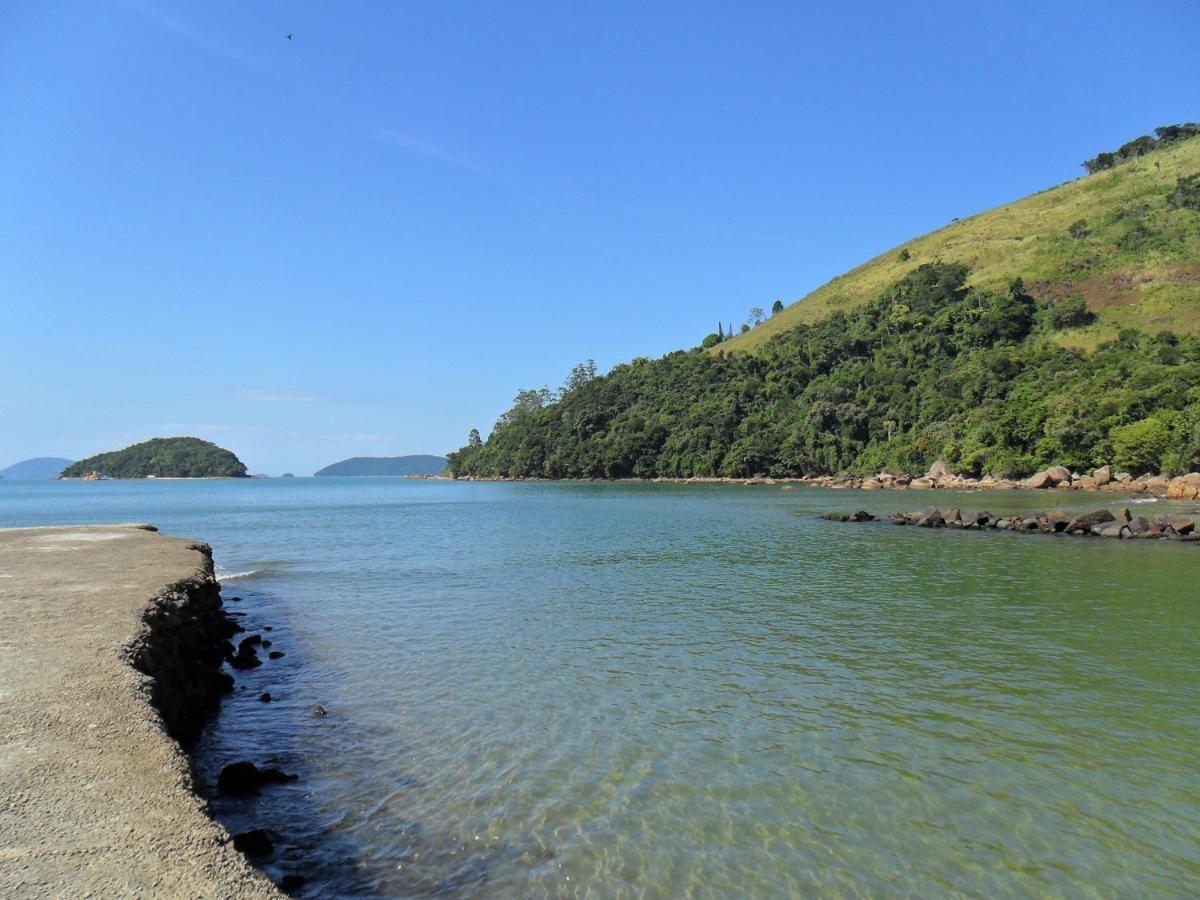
(660, 690)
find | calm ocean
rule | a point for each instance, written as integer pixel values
(666, 690)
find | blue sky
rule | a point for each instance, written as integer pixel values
(364, 240)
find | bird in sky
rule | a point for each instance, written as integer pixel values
(289, 35)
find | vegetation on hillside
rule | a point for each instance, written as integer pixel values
(175, 457)
(1126, 240)
(931, 368)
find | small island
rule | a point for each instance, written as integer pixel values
(173, 457)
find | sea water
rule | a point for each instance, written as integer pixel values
(667, 690)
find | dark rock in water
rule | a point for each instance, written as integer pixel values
(276, 654)
(318, 710)
(265, 697)
(861, 516)
(1030, 523)
(255, 842)
(1182, 525)
(1139, 525)
(292, 882)
(266, 643)
(251, 641)
(269, 628)
(236, 599)
(1084, 522)
(245, 777)
(1127, 514)
(245, 658)
(931, 518)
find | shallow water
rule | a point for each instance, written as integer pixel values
(629, 690)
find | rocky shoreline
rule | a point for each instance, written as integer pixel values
(1096, 523)
(939, 477)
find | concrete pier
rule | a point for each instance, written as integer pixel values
(96, 799)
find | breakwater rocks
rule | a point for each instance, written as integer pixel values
(939, 477)
(1097, 523)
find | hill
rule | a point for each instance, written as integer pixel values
(988, 361)
(387, 465)
(174, 457)
(1112, 238)
(41, 467)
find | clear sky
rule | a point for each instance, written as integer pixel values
(365, 239)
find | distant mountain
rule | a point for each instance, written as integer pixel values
(40, 467)
(387, 465)
(174, 457)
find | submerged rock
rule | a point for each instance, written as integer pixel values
(245, 777)
(318, 710)
(276, 654)
(255, 842)
(292, 882)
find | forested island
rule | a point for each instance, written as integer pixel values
(174, 457)
(1059, 330)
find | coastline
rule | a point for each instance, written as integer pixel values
(113, 642)
(1182, 487)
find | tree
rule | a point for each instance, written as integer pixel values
(473, 439)
(745, 327)
(580, 375)
(776, 307)
(720, 333)
(756, 316)
(710, 340)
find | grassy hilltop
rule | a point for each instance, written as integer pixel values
(1136, 263)
(1063, 329)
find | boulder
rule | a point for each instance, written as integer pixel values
(1183, 525)
(1156, 484)
(1039, 481)
(1185, 487)
(1029, 523)
(1113, 530)
(931, 518)
(1056, 521)
(292, 882)
(1138, 525)
(255, 842)
(1102, 476)
(921, 484)
(276, 654)
(265, 697)
(1086, 483)
(1059, 474)
(939, 470)
(1083, 523)
(1123, 477)
(245, 777)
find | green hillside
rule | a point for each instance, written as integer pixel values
(175, 457)
(1136, 261)
(1063, 329)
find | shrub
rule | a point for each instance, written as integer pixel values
(1070, 312)
(1142, 447)
(710, 340)
(1079, 229)
(1186, 194)
(904, 255)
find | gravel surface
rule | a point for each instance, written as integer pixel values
(95, 798)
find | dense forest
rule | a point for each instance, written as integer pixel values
(931, 368)
(177, 457)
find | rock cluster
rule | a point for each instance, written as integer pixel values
(1183, 487)
(1100, 523)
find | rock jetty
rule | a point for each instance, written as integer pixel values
(112, 639)
(1097, 523)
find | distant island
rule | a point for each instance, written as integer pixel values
(38, 468)
(386, 465)
(174, 457)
